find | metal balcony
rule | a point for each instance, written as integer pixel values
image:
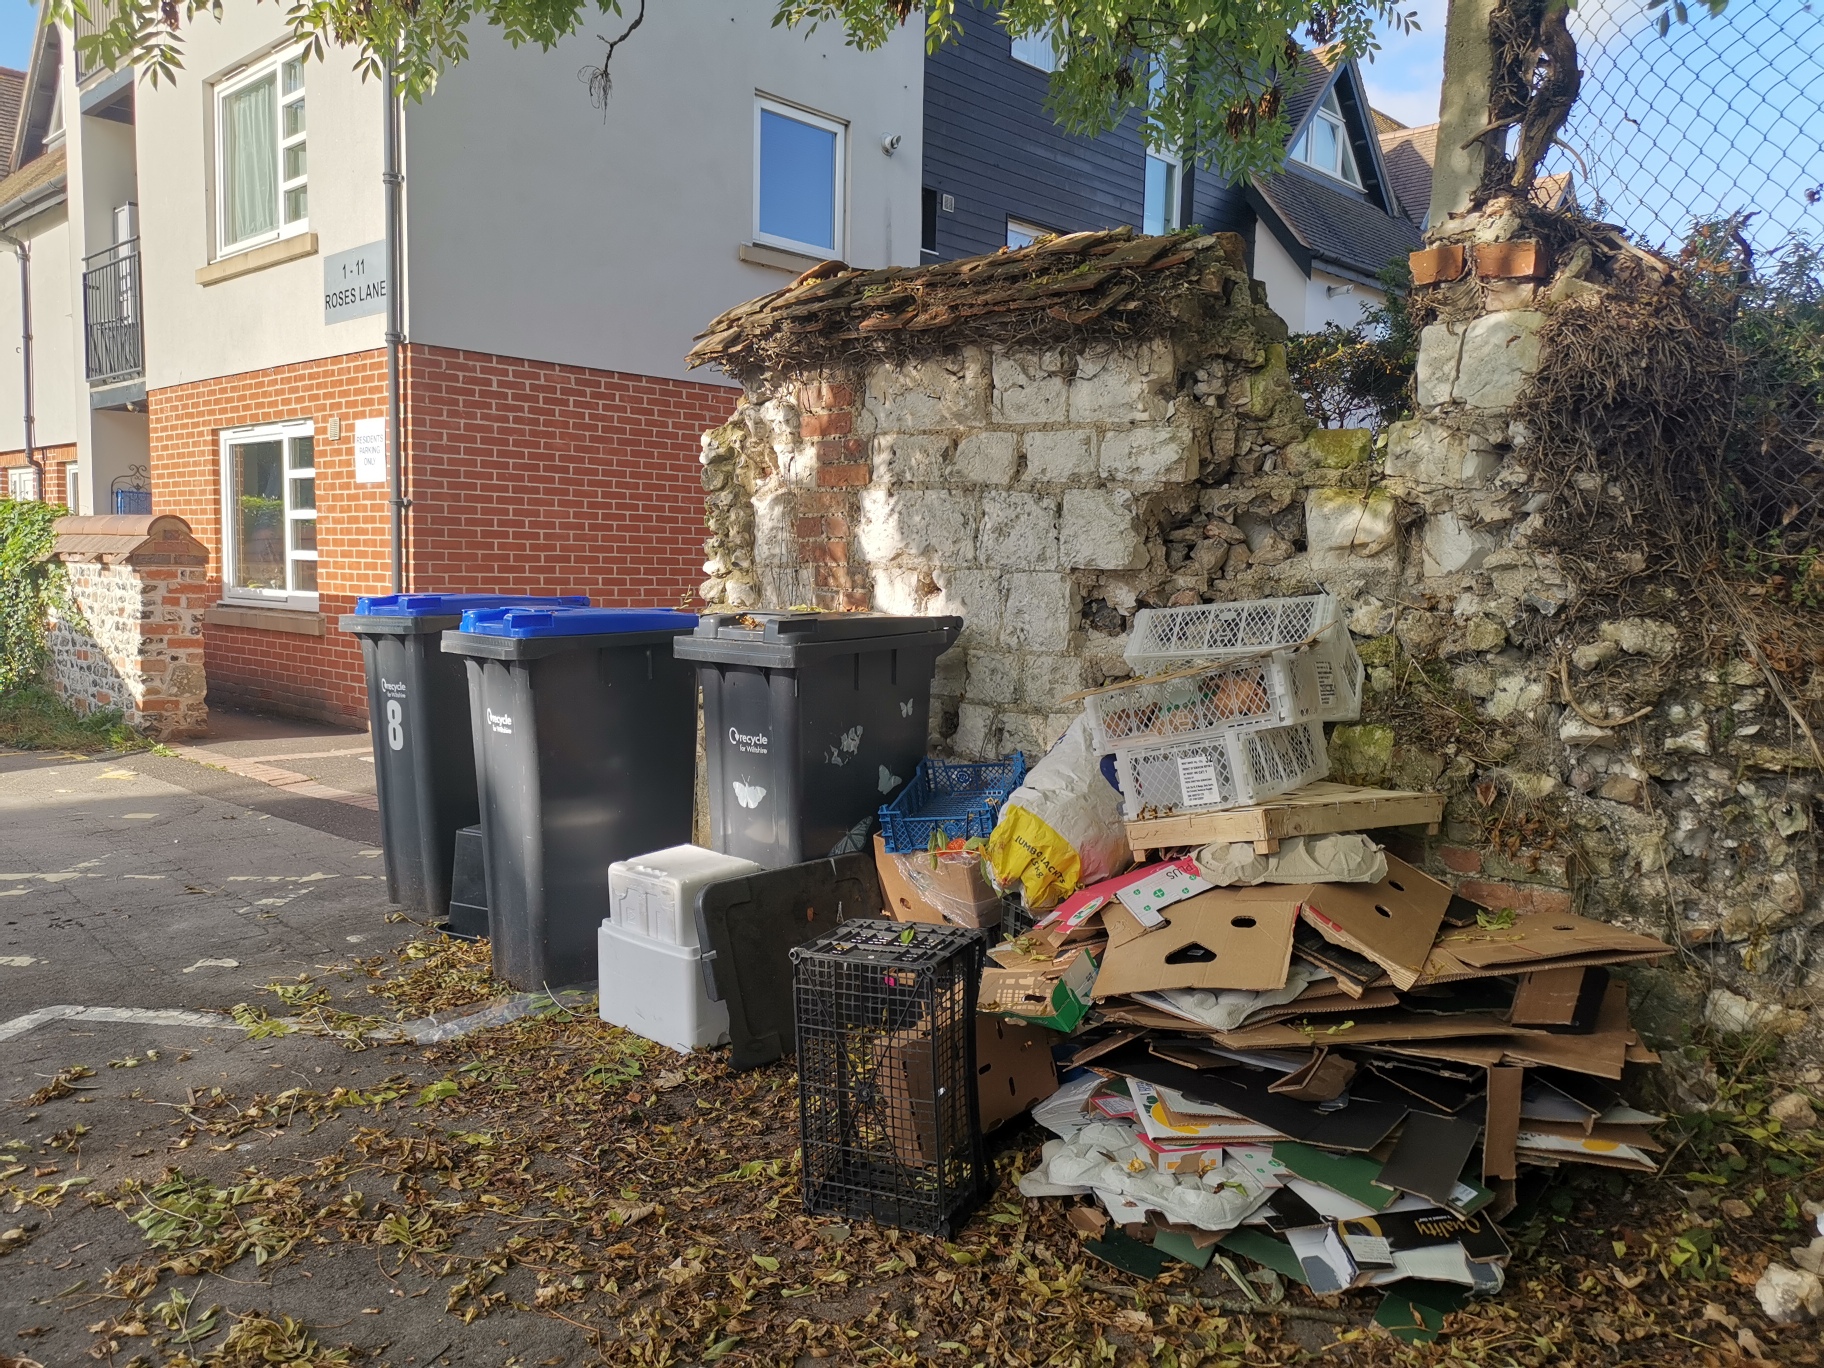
(110, 314)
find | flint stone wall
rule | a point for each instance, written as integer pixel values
(1046, 496)
(132, 638)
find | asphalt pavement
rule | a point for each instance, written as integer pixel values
(141, 898)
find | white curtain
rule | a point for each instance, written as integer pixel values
(250, 143)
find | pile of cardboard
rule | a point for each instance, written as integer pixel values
(1336, 1080)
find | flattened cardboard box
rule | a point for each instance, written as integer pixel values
(1227, 938)
(1535, 941)
(1045, 995)
(1393, 922)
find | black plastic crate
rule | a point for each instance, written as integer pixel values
(887, 1110)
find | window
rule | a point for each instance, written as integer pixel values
(22, 483)
(269, 514)
(798, 163)
(1325, 143)
(1036, 50)
(261, 162)
(1024, 234)
(1160, 213)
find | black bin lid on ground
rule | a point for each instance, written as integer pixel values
(783, 640)
(749, 928)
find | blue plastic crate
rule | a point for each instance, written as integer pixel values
(959, 800)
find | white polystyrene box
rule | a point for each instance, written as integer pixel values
(656, 895)
(657, 991)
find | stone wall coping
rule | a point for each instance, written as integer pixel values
(149, 538)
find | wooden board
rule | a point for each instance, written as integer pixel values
(1311, 811)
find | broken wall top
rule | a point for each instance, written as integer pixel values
(1081, 289)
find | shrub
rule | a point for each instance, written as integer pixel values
(30, 584)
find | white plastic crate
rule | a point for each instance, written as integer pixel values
(656, 895)
(1274, 689)
(1222, 769)
(657, 991)
(1167, 639)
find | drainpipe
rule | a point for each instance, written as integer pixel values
(23, 250)
(393, 180)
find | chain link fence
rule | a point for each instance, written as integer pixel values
(1718, 116)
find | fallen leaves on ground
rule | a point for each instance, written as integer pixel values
(556, 1166)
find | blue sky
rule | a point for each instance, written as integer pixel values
(18, 18)
(1404, 76)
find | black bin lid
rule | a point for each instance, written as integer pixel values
(771, 637)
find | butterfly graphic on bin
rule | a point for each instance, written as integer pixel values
(748, 795)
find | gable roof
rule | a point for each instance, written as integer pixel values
(1321, 225)
(38, 183)
(1409, 154)
(12, 93)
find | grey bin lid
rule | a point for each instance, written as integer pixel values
(781, 639)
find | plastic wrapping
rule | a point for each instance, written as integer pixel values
(952, 882)
(1345, 857)
(1060, 829)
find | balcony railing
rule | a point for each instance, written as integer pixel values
(110, 314)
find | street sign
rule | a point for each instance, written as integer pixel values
(354, 283)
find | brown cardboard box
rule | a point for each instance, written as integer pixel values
(1225, 938)
(1013, 1068)
(959, 883)
(1013, 1072)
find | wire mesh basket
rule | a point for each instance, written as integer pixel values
(887, 1110)
(1219, 770)
(956, 800)
(1271, 690)
(1167, 639)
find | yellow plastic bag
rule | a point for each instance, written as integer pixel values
(1061, 828)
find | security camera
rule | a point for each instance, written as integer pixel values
(890, 144)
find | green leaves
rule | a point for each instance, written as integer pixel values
(1207, 77)
(31, 584)
(436, 1092)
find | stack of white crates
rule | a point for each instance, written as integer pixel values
(651, 965)
(1230, 704)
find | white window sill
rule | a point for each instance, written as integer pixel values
(779, 258)
(265, 618)
(291, 248)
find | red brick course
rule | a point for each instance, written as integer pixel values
(1520, 897)
(56, 461)
(524, 477)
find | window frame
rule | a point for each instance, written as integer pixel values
(284, 433)
(1174, 207)
(839, 171)
(1032, 232)
(273, 65)
(1330, 111)
(1041, 53)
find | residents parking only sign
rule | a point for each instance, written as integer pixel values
(354, 283)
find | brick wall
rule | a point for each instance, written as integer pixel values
(315, 676)
(525, 477)
(56, 459)
(535, 478)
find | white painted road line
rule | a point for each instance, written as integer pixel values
(135, 1016)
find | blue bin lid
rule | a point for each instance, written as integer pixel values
(564, 621)
(450, 605)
